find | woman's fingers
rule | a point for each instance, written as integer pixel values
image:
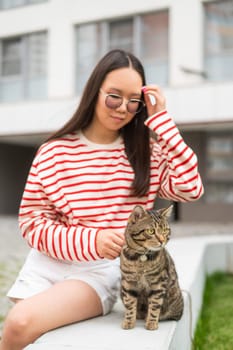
(154, 99)
(109, 243)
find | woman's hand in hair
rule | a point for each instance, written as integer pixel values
(109, 243)
(154, 99)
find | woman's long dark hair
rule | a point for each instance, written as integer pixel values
(135, 133)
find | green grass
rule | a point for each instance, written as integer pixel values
(214, 329)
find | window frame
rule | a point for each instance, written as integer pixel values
(24, 76)
(217, 178)
(105, 24)
(208, 55)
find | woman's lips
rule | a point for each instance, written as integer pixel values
(117, 118)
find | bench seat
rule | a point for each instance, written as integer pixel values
(194, 258)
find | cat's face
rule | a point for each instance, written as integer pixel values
(148, 230)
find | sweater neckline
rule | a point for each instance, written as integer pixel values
(92, 144)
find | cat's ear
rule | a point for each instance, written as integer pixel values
(137, 213)
(166, 212)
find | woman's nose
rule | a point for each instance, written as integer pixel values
(123, 107)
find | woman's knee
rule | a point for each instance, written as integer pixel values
(17, 327)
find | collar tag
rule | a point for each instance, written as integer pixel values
(143, 257)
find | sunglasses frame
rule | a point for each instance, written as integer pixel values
(122, 98)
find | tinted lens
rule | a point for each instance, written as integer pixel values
(134, 106)
(113, 101)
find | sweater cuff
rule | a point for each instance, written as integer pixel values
(162, 124)
(85, 244)
(96, 250)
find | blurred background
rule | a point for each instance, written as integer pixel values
(48, 49)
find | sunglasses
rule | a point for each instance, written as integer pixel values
(114, 101)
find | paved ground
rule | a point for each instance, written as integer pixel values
(197, 229)
(13, 249)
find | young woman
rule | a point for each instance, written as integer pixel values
(82, 186)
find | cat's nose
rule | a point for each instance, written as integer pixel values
(161, 239)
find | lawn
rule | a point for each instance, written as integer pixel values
(214, 329)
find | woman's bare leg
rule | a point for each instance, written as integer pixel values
(64, 303)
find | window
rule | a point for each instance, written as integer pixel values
(121, 35)
(219, 187)
(219, 40)
(88, 39)
(7, 4)
(146, 36)
(11, 64)
(154, 47)
(23, 64)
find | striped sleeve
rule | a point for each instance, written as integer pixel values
(46, 230)
(179, 176)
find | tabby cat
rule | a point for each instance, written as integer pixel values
(149, 283)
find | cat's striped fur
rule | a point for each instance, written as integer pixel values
(149, 284)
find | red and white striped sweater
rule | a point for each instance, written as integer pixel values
(75, 188)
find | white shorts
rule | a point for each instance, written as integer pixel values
(40, 272)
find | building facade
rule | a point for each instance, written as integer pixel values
(48, 49)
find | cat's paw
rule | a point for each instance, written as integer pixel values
(126, 324)
(151, 325)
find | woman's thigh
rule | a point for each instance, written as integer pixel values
(64, 303)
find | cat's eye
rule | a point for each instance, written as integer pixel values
(150, 231)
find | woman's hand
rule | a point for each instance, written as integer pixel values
(154, 99)
(109, 243)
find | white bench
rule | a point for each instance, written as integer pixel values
(194, 258)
